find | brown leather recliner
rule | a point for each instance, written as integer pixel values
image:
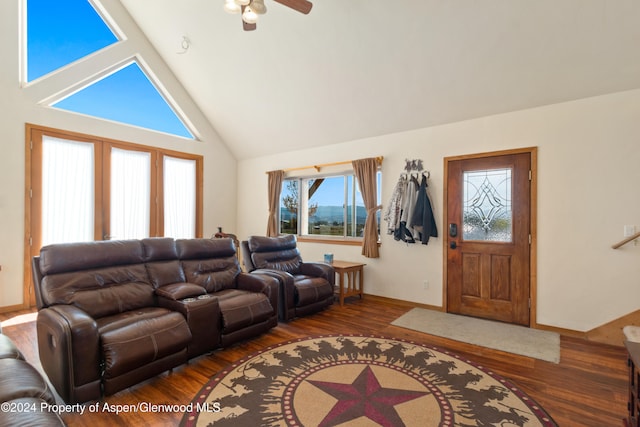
(248, 303)
(305, 287)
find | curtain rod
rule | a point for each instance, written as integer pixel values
(324, 165)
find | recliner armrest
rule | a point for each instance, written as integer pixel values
(178, 291)
(264, 283)
(283, 277)
(319, 269)
(69, 349)
(287, 289)
(202, 314)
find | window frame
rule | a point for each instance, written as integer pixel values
(102, 150)
(325, 238)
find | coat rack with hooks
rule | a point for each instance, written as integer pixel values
(408, 214)
(414, 166)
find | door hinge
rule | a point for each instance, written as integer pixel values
(529, 302)
(530, 239)
(530, 175)
(30, 241)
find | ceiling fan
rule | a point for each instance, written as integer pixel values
(250, 9)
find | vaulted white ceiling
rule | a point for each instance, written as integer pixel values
(353, 69)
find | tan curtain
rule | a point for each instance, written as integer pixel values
(366, 170)
(275, 188)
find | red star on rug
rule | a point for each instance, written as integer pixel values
(365, 397)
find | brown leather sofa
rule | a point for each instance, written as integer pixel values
(26, 398)
(114, 313)
(305, 287)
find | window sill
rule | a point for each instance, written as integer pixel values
(326, 240)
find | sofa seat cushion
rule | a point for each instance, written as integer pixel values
(242, 308)
(132, 339)
(311, 289)
(8, 349)
(19, 379)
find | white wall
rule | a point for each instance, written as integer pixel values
(588, 170)
(20, 105)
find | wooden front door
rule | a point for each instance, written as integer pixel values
(488, 236)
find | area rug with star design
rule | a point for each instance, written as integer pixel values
(355, 380)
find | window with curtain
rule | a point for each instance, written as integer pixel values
(324, 206)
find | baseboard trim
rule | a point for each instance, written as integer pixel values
(409, 304)
(11, 308)
(611, 332)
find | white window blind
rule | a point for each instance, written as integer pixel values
(130, 194)
(67, 191)
(179, 197)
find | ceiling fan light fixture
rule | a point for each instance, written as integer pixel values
(258, 7)
(250, 9)
(249, 16)
(230, 6)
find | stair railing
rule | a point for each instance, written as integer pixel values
(626, 240)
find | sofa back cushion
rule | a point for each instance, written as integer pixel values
(101, 278)
(277, 253)
(161, 260)
(210, 263)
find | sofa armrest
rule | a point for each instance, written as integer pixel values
(203, 317)
(319, 269)
(178, 291)
(69, 350)
(264, 283)
(286, 291)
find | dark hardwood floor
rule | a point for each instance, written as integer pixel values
(587, 388)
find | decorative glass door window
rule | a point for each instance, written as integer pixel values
(486, 212)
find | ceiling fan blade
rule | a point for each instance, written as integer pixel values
(302, 6)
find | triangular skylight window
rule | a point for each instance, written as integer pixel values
(127, 96)
(61, 32)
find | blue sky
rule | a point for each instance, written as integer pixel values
(60, 32)
(330, 193)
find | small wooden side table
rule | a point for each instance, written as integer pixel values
(350, 278)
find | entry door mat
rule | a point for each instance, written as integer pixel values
(358, 380)
(535, 343)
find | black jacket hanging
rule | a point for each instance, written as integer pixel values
(423, 220)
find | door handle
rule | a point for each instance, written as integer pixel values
(453, 245)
